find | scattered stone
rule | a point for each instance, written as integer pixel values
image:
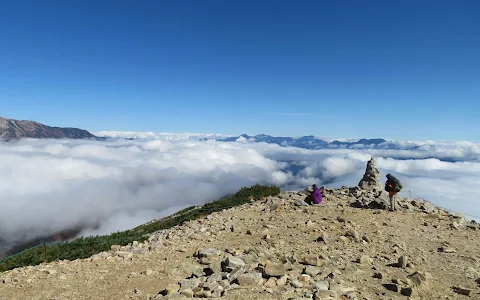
(187, 293)
(321, 286)
(274, 269)
(249, 279)
(406, 291)
(304, 278)
(417, 278)
(300, 203)
(458, 221)
(115, 248)
(186, 284)
(311, 260)
(402, 262)
(296, 284)
(233, 262)
(462, 290)
(282, 280)
(392, 287)
(378, 275)
(274, 207)
(366, 238)
(147, 272)
(208, 252)
(192, 268)
(172, 288)
(341, 219)
(322, 295)
(235, 273)
(353, 234)
(312, 270)
(447, 250)
(271, 282)
(365, 260)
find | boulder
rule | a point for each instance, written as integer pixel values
(274, 269)
(249, 279)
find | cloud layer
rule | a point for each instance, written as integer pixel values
(51, 185)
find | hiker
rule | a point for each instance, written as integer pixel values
(315, 197)
(392, 186)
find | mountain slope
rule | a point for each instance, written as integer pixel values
(16, 129)
(342, 251)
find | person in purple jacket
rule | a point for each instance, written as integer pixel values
(315, 197)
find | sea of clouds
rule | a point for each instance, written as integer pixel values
(47, 186)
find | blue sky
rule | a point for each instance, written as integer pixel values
(391, 69)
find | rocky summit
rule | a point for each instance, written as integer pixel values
(11, 129)
(347, 248)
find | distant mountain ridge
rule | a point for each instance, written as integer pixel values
(311, 142)
(11, 129)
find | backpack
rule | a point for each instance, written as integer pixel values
(396, 186)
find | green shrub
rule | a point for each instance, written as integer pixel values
(87, 246)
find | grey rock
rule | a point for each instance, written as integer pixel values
(312, 270)
(296, 284)
(300, 203)
(274, 269)
(402, 262)
(216, 277)
(428, 208)
(249, 279)
(234, 262)
(462, 291)
(322, 295)
(234, 274)
(366, 238)
(392, 287)
(207, 252)
(274, 207)
(353, 235)
(447, 250)
(282, 280)
(321, 285)
(188, 293)
(365, 260)
(192, 268)
(189, 283)
(406, 291)
(417, 278)
(311, 260)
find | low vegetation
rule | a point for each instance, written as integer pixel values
(88, 246)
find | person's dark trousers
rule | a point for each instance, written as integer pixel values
(309, 199)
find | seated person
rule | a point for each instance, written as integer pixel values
(315, 197)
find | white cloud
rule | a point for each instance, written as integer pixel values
(158, 135)
(52, 185)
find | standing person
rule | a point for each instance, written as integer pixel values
(315, 197)
(392, 186)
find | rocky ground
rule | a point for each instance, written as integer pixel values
(276, 248)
